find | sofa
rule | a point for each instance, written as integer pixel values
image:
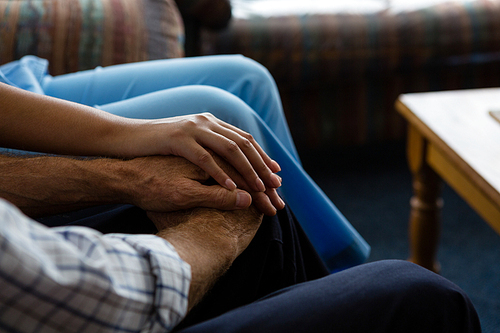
(339, 73)
(82, 34)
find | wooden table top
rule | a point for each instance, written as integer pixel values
(460, 124)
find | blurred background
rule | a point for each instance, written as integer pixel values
(339, 66)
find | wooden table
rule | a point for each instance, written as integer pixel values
(451, 137)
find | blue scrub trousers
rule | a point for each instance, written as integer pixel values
(239, 91)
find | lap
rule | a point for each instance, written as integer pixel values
(385, 296)
(279, 284)
(114, 83)
(280, 255)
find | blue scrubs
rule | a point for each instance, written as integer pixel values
(234, 89)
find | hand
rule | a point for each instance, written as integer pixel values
(169, 183)
(190, 137)
(208, 240)
(67, 128)
(266, 202)
(237, 227)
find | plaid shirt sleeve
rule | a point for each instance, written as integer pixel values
(74, 279)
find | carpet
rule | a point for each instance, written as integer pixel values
(371, 186)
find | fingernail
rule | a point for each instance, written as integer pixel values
(243, 200)
(276, 166)
(260, 185)
(276, 180)
(230, 185)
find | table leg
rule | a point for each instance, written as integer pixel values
(426, 204)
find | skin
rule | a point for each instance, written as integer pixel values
(204, 183)
(168, 187)
(153, 183)
(40, 123)
(209, 240)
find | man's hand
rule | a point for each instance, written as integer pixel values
(48, 185)
(63, 127)
(209, 240)
(169, 183)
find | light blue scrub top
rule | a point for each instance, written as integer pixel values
(26, 73)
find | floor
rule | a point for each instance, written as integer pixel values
(371, 186)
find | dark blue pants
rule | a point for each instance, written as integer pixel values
(384, 296)
(279, 284)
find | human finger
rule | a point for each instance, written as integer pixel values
(199, 156)
(230, 151)
(266, 202)
(263, 203)
(242, 152)
(254, 168)
(264, 166)
(275, 198)
(272, 164)
(216, 196)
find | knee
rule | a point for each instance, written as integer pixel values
(222, 105)
(250, 73)
(251, 67)
(422, 300)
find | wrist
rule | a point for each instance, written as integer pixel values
(121, 180)
(211, 244)
(208, 258)
(90, 181)
(138, 182)
(132, 138)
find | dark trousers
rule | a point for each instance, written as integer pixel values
(279, 284)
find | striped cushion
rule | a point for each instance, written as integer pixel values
(302, 48)
(82, 34)
(340, 74)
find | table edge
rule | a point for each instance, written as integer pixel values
(460, 163)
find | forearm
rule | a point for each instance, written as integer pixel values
(49, 185)
(46, 124)
(89, 271)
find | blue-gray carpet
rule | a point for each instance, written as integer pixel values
(371, 186)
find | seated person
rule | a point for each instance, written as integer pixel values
(227, 254)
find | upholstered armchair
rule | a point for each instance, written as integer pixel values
(82, 34)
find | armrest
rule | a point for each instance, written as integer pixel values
(74, 36)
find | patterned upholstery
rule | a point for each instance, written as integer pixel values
(339, 74)
(82, 34)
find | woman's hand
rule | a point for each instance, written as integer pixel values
(190, 136)
(68, 128)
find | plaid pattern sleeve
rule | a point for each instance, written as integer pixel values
(74, 279)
